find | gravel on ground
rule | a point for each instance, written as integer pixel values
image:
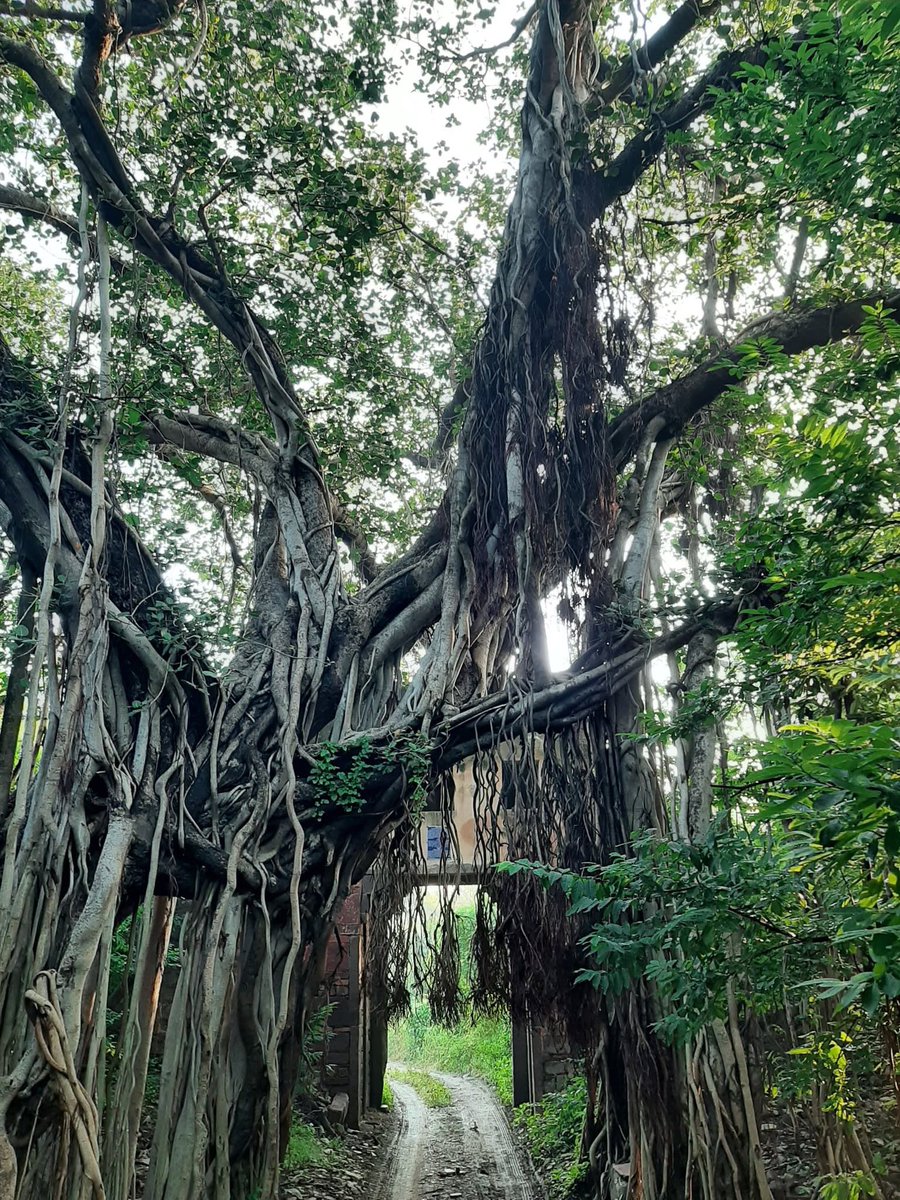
(464, 1151)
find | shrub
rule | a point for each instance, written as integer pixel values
(553, 1133)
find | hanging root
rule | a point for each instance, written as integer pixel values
(45, 1014)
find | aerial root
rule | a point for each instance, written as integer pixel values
(45, 1014)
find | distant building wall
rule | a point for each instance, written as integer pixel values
(460, 849)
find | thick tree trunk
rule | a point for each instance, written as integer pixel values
(139, 778)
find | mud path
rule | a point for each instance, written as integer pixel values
(462, 1152)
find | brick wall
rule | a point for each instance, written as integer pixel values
(344, 1060)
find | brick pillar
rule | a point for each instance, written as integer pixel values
(343, 1063)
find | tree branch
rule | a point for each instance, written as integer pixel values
(100, 167)
(518, 29)
(794, 332)
(38, 12)
(349, 530)
(28, 205)
(211, 437)
(657, 49)
(101, 30)
(135, 584)
(623, 172)
(572, 695)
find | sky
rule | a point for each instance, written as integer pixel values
(444, 134)
(405, 108)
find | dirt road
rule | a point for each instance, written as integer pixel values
(462, 1152)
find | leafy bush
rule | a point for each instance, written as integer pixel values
(693, 919)
(553, 1134)
(849, 1187)
(834, 784)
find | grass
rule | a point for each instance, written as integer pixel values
(387, 1096)
(431, 1090)
(304, 1149)
(482, 1048)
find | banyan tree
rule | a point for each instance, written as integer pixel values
(224, 295)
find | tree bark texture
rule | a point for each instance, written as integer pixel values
(144, 780)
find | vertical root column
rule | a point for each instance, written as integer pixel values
(80, 1112)
(182, 1156)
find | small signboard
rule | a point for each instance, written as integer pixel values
(437, 840)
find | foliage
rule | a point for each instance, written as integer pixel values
(690, 918)
(848, 1187)
(553, 1134)
(339, 773)
(431, 1090)
(835, 783)
(340, 787)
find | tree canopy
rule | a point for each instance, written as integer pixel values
(306, 431)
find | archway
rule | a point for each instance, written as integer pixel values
(451, 856)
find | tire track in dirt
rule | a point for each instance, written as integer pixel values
(463, 1152)
(398, 1177)
(489, 1139)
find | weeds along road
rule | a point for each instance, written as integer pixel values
(462, 1152)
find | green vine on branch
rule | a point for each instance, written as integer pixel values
(340, 772)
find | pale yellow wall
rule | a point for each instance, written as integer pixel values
(463, 819)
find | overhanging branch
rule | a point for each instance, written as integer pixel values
(794, 332)
(657, 48)
(303, 502)
(620, 175)
(211, 437)
(38, 12)
(99, 165)
(36, 207)
(574, 694)
(518, 29)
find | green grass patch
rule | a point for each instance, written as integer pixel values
(304, 1149)
(431, 1090)
(481, 1047)
(387, 1096)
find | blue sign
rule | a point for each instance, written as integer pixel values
(437, 840)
